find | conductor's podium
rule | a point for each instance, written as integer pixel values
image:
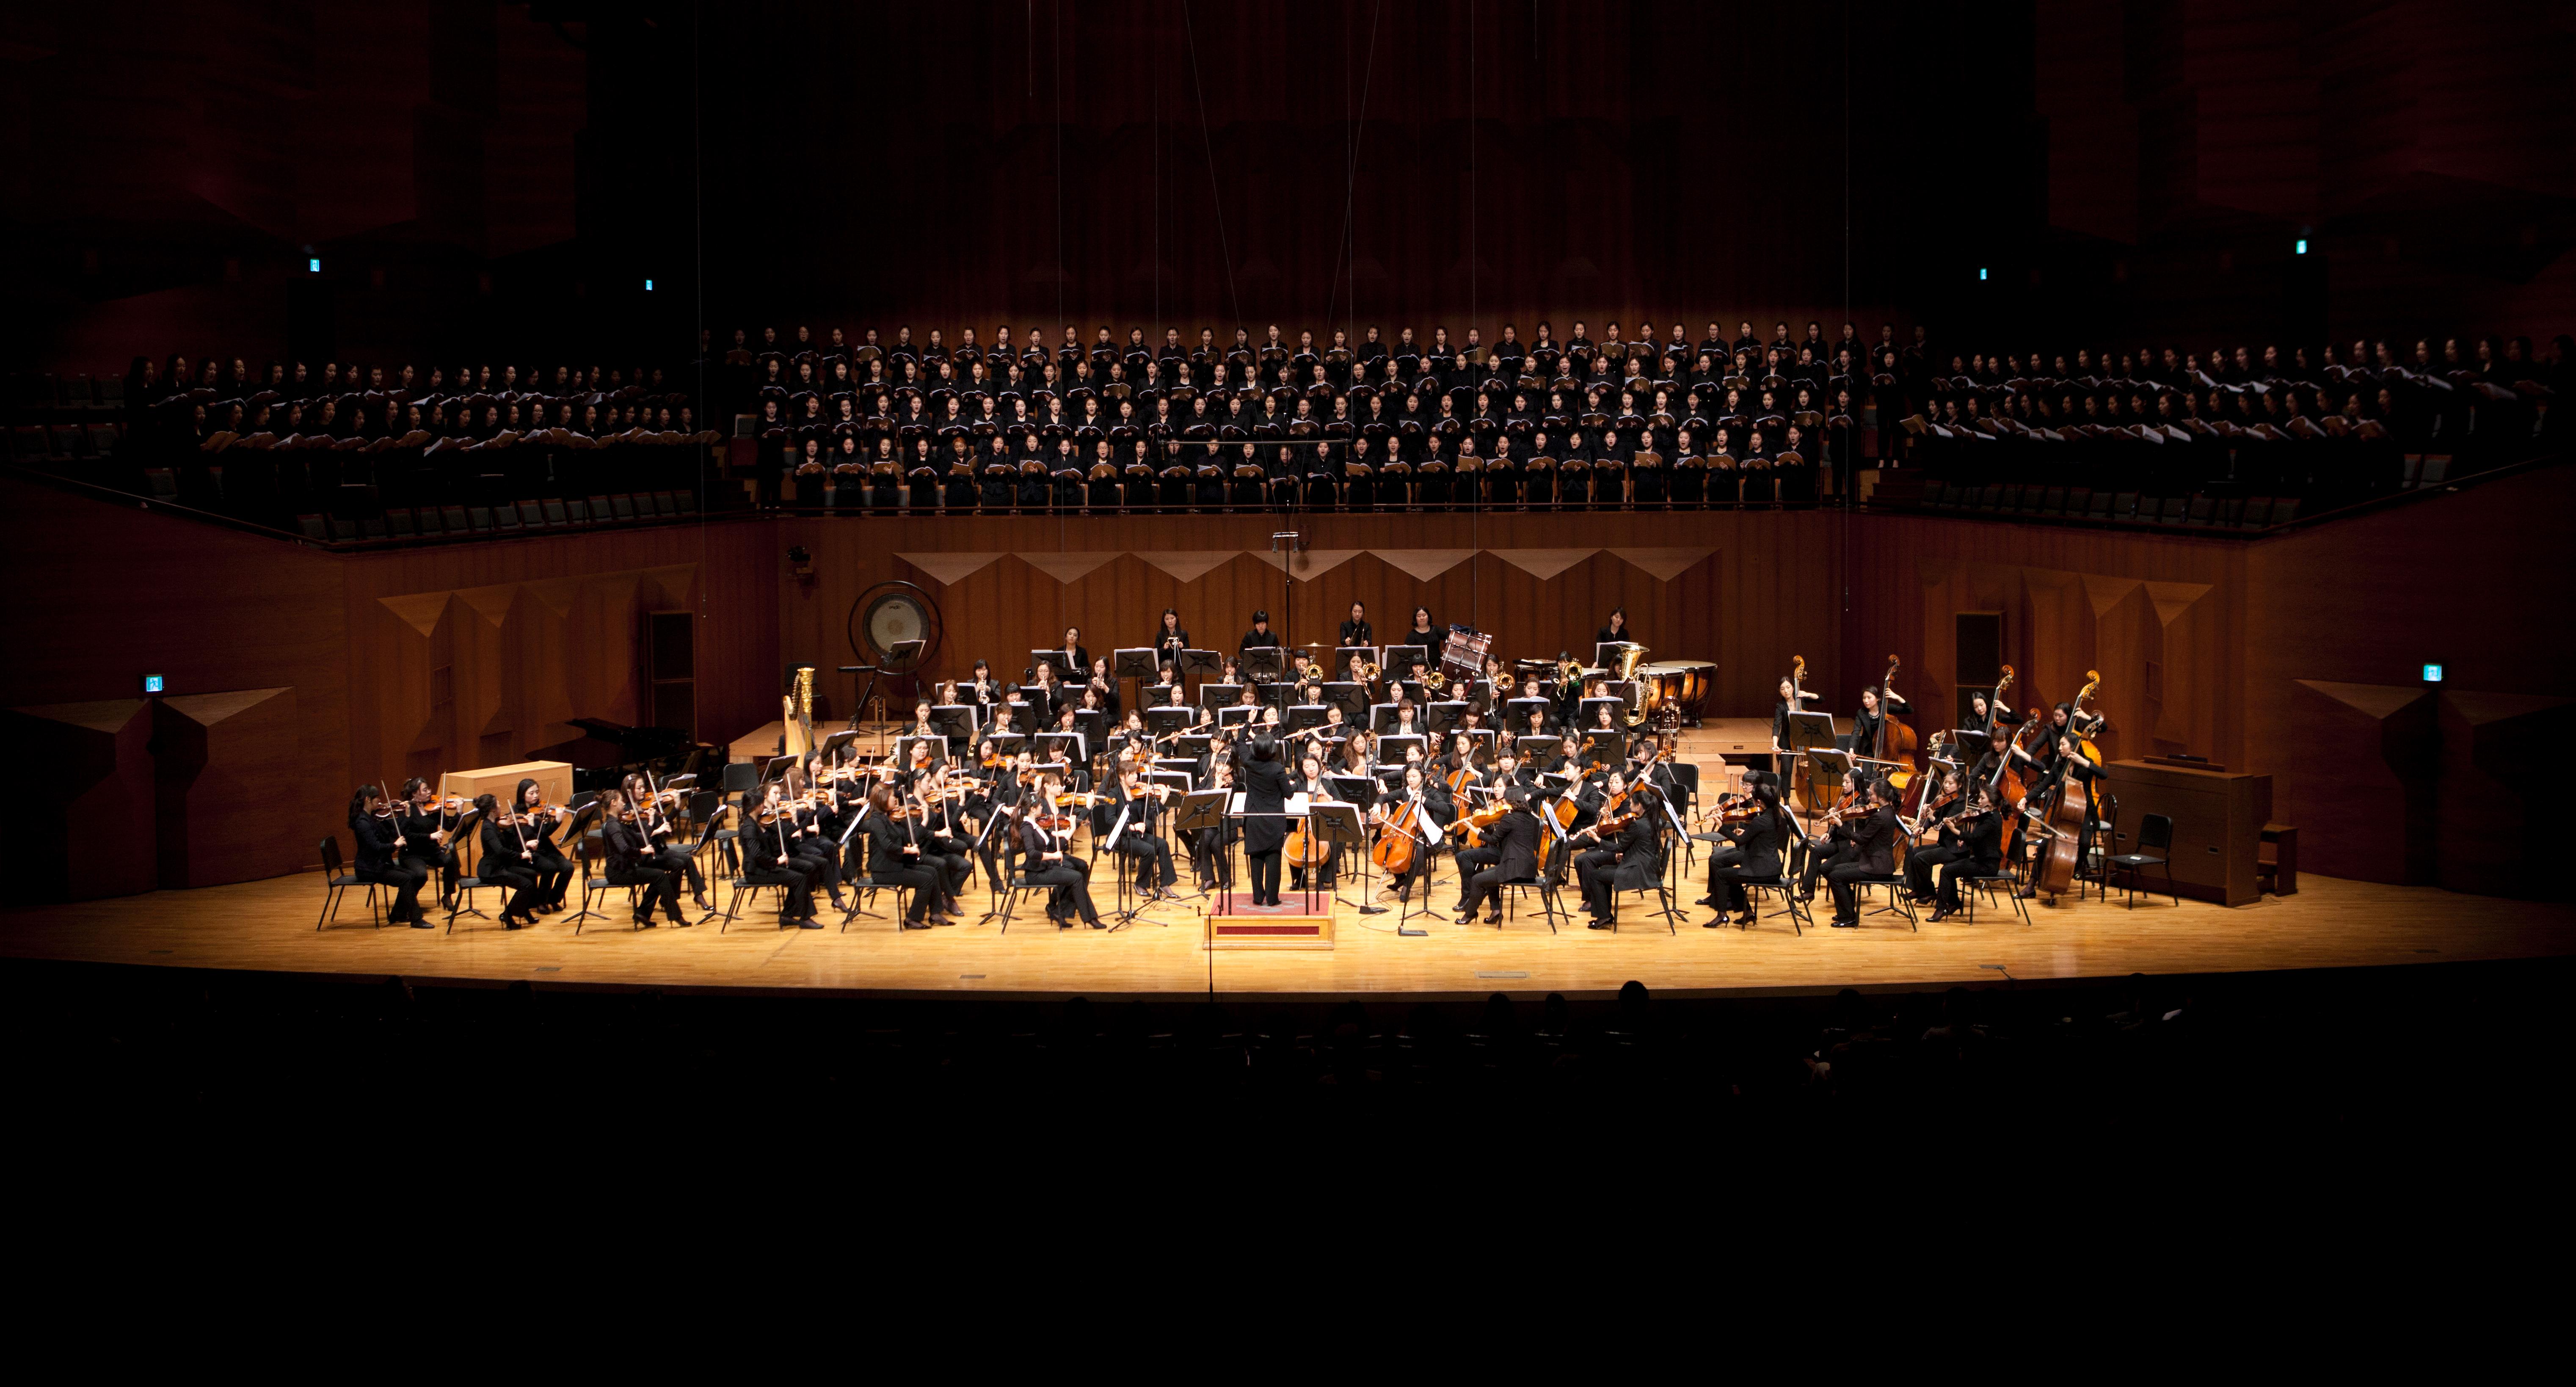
(1283, 926)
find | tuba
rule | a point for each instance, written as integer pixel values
(1631, 655)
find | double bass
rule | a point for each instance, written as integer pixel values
(2007, 785)
(1808, 794)
(1895, 741)
(2070, 803)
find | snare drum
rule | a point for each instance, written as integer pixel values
(1678, 684)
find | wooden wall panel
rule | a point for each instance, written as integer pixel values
(2201, 641)
(118, 591)
(225, 766)
(82, 825)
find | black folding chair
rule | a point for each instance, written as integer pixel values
(2155, 849)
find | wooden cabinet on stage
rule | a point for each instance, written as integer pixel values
(2218, 820)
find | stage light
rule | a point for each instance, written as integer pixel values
(648, 286)
(314, 265)
(2301, 248)
(154, 683)
(2432, 674)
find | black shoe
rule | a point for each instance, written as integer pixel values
(1840, 923)
(701, 898)
(1709, 901)
(1713, 922)
(809, 922)
(1598, 924)
(1095, 924)
(913, 924)
(1940, 915)
(419, 923)
(509, 923)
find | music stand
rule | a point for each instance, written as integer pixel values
(957, 720)
(1528, 749)
(1138, 664)
(1275, 694)
(1062, 746)
(1440, 717)
(1354, 702)
(1516, 711)
(1337, 823)
(1390, 749)
(1355, 793)
(1236, 715)
(1200, 811)
(1301, 716)
(1007, 744)
(903, 749)
(1194, 745)
(1061, 661)
(1093, 724)
(1605, 654)
(1203, 664)
(1402, 661)
(1830, 768)
(1604, 747)
(1218, 697)
(1583, 710)
(1808, 732)
(1259, 660)
(1342, 658)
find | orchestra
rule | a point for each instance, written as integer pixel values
(1539, 771)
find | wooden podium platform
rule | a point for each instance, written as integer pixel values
(1284, 926)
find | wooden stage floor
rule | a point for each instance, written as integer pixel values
(268, 926)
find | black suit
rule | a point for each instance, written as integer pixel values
(1357, 633)
(1625, 861)
(1265, 830)
(381, 862)
(890, 865)
(760, 850)
(1510, 854)
(1978, 851)
(632, 861)
(1753, 856)
(1067, 879)
(1869, 845)
(1142, 839)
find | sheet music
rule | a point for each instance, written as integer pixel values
(1235, 805)
(1117, 828)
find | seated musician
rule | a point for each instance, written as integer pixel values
(376, 823)
(1629, 856)
(1510, 853)
(1142, 838)
(1751, 854)
(1420, 794)
(766, 844)
(1046, 850)
(896, 857)
(1308, 780)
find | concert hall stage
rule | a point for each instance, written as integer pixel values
(268, 926)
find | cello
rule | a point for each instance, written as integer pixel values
(1394, 851)
(2070, 803)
